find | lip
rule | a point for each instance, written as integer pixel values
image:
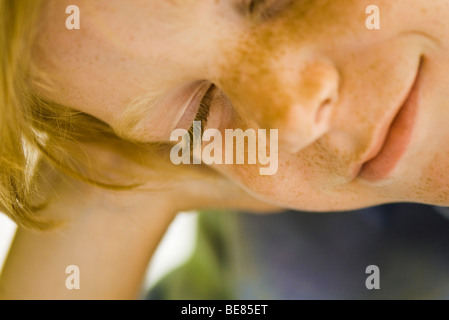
(392, 142)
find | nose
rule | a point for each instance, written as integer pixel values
(312, 91)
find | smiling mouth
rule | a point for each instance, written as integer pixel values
(395, 140)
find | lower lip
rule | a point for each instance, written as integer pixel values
(397, 140)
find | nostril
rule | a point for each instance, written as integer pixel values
(323, 111)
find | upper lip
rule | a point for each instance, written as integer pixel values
(382, 132)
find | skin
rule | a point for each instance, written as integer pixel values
(312, 70)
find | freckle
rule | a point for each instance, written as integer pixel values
(253, 83)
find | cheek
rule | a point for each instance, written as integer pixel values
(433, 186)
(294, 184)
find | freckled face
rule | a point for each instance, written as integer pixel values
(362, 114)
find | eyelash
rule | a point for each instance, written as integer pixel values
(203, 110)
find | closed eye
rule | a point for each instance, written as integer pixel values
(254, 5)
(203, 110)
(267, 9)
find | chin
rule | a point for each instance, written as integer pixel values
(318, 201)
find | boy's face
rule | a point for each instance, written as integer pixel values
(363, 115)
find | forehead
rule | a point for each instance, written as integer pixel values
(109, 60)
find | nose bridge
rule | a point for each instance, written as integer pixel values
(288, 89)
(312, 87)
